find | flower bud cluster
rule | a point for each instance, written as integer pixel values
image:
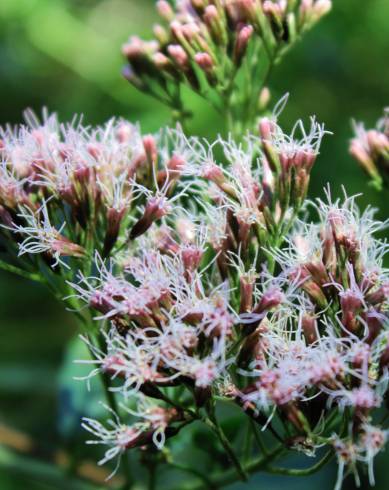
(203, 44)
(370, 148)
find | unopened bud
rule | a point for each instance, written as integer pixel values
(129, 74)
(358, 152)
(124, 133)
(191, 257)
(161, 34)
(205, 62)
(374, 322)
(378, 142)
(114, 219)
(241, 43)
(150, 147)
(246, 283)
(272, 298)
(178, 55)
(309, 328)
(275, 10)
(165, 10)
(318, 272)
(264, 99)
(321, 7)
(216, 24)
(155, 209)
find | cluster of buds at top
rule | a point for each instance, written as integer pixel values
(370, 148)
(204, 43)
(288, 161)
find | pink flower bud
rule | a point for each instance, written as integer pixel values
(114, 219)
(165, 10)
(309, 327)
(204, 61)
(64, 247)
(264, 98)
(211, 15)
(150, 147)
(191, 257)
(322, 7)
(155, 209)
(377, 141)
(179, 56)
(351, 303)
(124, 133)
(134, 49)
(253, 345)
(161, 61)
(318, 272)
(241, 43)
(357, 151)
(275, 10)
(266, 128)
(161, 34)
(216, 24)
(272, 298)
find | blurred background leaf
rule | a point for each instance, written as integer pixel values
(65, 54)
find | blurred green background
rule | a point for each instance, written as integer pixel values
(65, 54)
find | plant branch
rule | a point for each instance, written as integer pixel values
(231, 476)
(216, 428)
(302, 471)
(20, 272)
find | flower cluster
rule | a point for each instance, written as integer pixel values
(204, 44)
(63, 186)
(67, 191)
(207, 285)
(307, 345)
(370, 148)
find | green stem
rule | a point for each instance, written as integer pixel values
(20, 272)
(231, 476)
(179, 115)
(152, 483)
(303, 471)
(257, 437)
(248, 441)
(194, 472)
(215, 426)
